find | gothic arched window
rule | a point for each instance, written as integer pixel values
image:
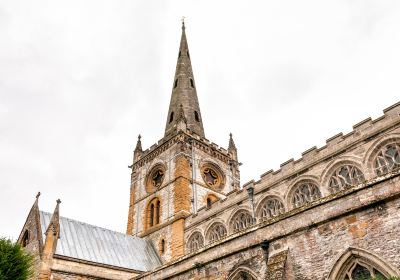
(153, 213)
(216, 232)
(242, 274)
(241, 221)
(271, 207)
(25, 238)
(360, 270)
(195, 242)
(388, 159)
(345, 176)
(304, 193)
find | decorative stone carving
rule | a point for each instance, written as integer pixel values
(212, 175)
(276, 266)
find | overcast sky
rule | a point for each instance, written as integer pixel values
(79, 80)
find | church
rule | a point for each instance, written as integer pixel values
(332, 214)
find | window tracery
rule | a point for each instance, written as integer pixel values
(271, 207)
(216, 232)
(241, 221)
(345, 176)
(155, 178)
(388, 159)
(360, 270)
(304, 193)
(212, 175)
(195, 242)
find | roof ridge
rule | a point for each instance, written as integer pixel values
(94, 226)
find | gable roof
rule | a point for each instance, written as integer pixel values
(95, 244)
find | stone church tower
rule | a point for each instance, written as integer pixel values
(182, 173)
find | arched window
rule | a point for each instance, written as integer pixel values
(242, 274)
(388, 159)
(162, 246)
(176, 83)
(304, 193)
(216, 232)
(191, 83)
(345, 176)
(196, 116)
(25, 238)
(241, 221)
(211, 199)
(360, 270)
(171, 117)
(357, 264)
(271, 207)
(195, 242)
(153, 213)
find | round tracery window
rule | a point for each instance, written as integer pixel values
(155, 178)
(212, 175)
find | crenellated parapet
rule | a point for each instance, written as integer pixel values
(347, 161)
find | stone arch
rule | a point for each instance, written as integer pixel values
(355, 256)
(195, 242)
(153, 213)
(270, 204)
(216, 231)
(303, 191)
(332, 166)
(242, 273)
(210, 199)
(341, 174)
(240, 220)
(375, 149)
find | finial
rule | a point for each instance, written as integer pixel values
(58, 201)
(38, 194)
(139, 137)
(230, 135)
(183, 22)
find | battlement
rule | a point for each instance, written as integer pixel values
(164, 143)
(292, 168)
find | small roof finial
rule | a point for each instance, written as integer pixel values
(58, 201)
(38, 194)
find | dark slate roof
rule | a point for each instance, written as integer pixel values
(95, 244)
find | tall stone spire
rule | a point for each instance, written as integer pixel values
(184, 93)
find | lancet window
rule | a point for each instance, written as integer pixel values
(241, 221)
(388, 159)
(153, 213)
(304, 193)
(271, 207)
(345, 176)
(196, 241)
(216, 232)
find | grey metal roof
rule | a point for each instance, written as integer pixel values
(95, 244)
